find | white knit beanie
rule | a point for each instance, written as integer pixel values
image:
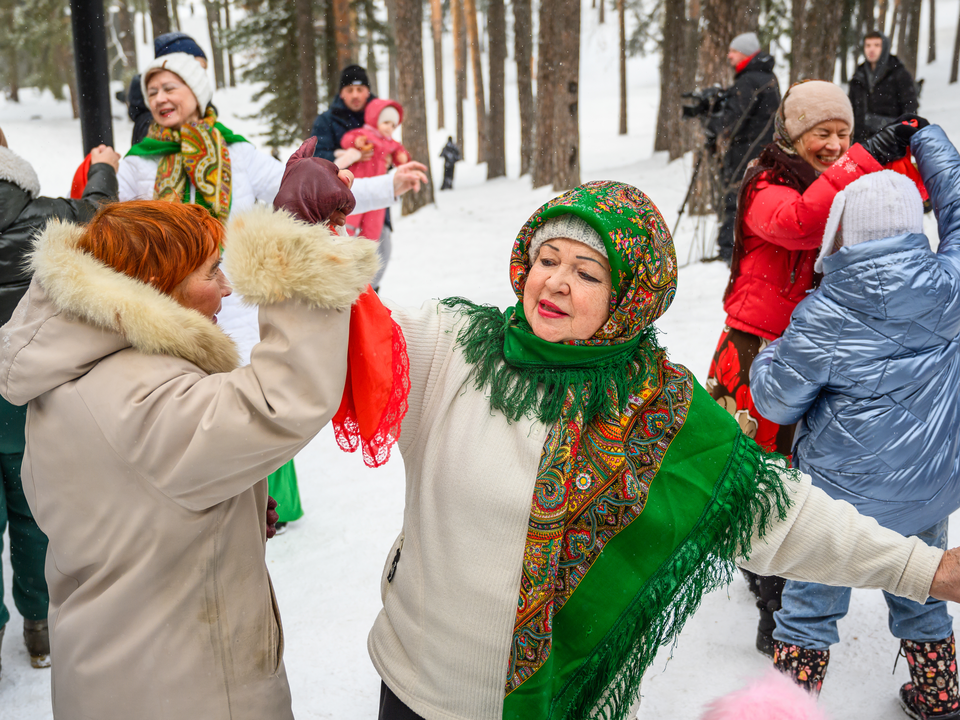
(566, 226)
(389, 113)
(747, 43)
(189, 70)
(878, 205)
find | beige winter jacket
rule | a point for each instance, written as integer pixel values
(145, 463)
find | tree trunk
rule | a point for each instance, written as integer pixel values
(955, 64)
(409, 33)
(523, 53)
(127, 34)
(13, 74)
(213, 12)
(602, 4)
(546, 89)
(497, 58)
(846, 34)
(818, 23)
(473, 40)
(307, 58)
(867, 18)
(331, 70)
(672, 51)
(341, 14)
(459, 66)
(621, 18)
(159, 17)
(392, 52)
(229, 26)
(932, 32)
(175, 15)
(566, 112)
(436, 22)
(371, 44)
(64, 57)
(908, 44)
(893, 23)
(881, 16)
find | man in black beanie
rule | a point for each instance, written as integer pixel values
(344, 114)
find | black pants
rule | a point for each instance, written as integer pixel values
(392, 708)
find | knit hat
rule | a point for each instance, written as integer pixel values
(809, 103)
(176, 42)
(188, 69)
(353, 75)
(747, 43)
(389, 113)
(878, 205)
(566, 226)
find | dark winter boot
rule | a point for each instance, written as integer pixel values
(767, 590)
(932, 691)
(36, 637)
(805, 667)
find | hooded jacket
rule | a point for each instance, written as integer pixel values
(23, 213)
(384, 148)
(881, 95)
(160, 601)
(871, 364)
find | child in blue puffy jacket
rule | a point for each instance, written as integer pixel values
(870, 366)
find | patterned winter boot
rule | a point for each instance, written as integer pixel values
(36, 636)
(805, 667)
(932, 691)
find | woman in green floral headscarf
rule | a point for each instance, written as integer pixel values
(571, 493)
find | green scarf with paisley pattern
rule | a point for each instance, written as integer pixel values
(646, 490)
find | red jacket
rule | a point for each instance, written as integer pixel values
(782, 234)
(384, 148)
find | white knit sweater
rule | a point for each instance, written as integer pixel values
(442, 640)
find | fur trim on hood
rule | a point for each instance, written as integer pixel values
(15, 169)
(272, 256)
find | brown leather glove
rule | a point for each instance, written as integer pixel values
(310, 188)
(272, 517)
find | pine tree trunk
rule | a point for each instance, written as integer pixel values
(867, 18)
(371, 44)
(409, 33)
(955, 63)
(392, 52)
(881, 16)
(307, 57)
(473, 40)
(213, 13)
(175, 15)
(932, 33)
(523, 53)
(459, 66)
(233, 72)
(908, 45)
(127, 34)
(846, 32)
(159, 17)
(497, 58)
(893, 23)
(672, 52)
(331, 71)
(818, 22)
(341, 14)
(621, 19)
(546, 90)
(566, 111)
(602, 4)
(436, 23)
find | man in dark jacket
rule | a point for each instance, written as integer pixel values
(344, 114)
(22, 214)
(745, 119)
(881, 89)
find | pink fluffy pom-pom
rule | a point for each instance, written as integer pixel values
(771, 697)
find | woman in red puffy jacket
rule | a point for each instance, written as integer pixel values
(782, 210)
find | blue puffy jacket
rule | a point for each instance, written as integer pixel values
(870, 365)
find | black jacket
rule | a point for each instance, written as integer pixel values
(879, 102)
(746, 115)
(23, 214)
(331, 125)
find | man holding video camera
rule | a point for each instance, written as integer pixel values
(744, 121)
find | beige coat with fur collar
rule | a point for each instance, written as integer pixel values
(146, 455)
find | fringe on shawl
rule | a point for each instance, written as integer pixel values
(516, 392)
(609, 682)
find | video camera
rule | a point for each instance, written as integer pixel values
(706, 102)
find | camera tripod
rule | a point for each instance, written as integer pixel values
(703, 233)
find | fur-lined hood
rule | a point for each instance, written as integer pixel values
(15, 169)
(89, 310)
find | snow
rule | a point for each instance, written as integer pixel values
(327, 566)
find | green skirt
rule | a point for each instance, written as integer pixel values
(283, 489)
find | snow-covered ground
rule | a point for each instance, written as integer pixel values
(327, 567)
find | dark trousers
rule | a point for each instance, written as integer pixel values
(392, 708)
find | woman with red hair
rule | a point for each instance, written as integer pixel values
(160, 601)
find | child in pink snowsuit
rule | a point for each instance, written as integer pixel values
(381, 118)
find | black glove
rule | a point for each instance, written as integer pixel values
(272, 517)
(891, 142)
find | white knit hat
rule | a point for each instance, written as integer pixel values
(566, 226)
(747, 43)
(811, 102)
(878, 205)
(189, 70)
(389, 113)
